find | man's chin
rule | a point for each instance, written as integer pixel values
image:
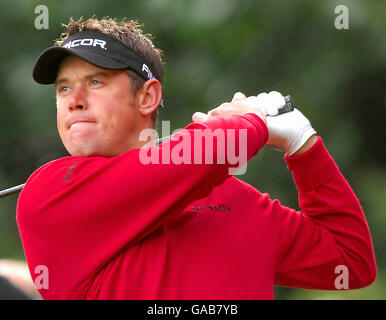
(84, 152)
(93, 150)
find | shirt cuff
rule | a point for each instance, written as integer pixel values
(313, 167)
(261, 127)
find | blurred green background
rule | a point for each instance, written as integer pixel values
(213, 48)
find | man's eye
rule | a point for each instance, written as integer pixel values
(95, 82)
(64, 89)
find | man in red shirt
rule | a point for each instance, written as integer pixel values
(104, 225)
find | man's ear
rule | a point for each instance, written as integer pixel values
(149, 97)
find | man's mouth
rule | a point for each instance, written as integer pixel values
(81, 123)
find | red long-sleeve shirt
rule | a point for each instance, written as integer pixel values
(113, 228)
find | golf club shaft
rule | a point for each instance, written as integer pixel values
(8, 192)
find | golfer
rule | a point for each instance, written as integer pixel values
(102, 224)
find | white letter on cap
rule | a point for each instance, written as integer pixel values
(147, 70)
(86, 42)
(75, 43)
(101, 43)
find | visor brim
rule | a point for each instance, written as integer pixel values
(47, 65)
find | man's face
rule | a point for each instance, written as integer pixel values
(97, 113)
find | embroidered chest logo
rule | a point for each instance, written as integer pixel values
(69, 173)
(209, 208)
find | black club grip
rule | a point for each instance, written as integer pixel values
(288, 107)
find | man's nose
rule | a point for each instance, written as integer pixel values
(78, 100)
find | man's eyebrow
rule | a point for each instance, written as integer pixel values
(60, 81)
(87, 76)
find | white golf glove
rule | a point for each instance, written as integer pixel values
(289, 131)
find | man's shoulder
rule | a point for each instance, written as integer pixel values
(53, 164)
(57, 169)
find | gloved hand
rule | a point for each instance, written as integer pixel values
(289, 131)
(240, 104)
